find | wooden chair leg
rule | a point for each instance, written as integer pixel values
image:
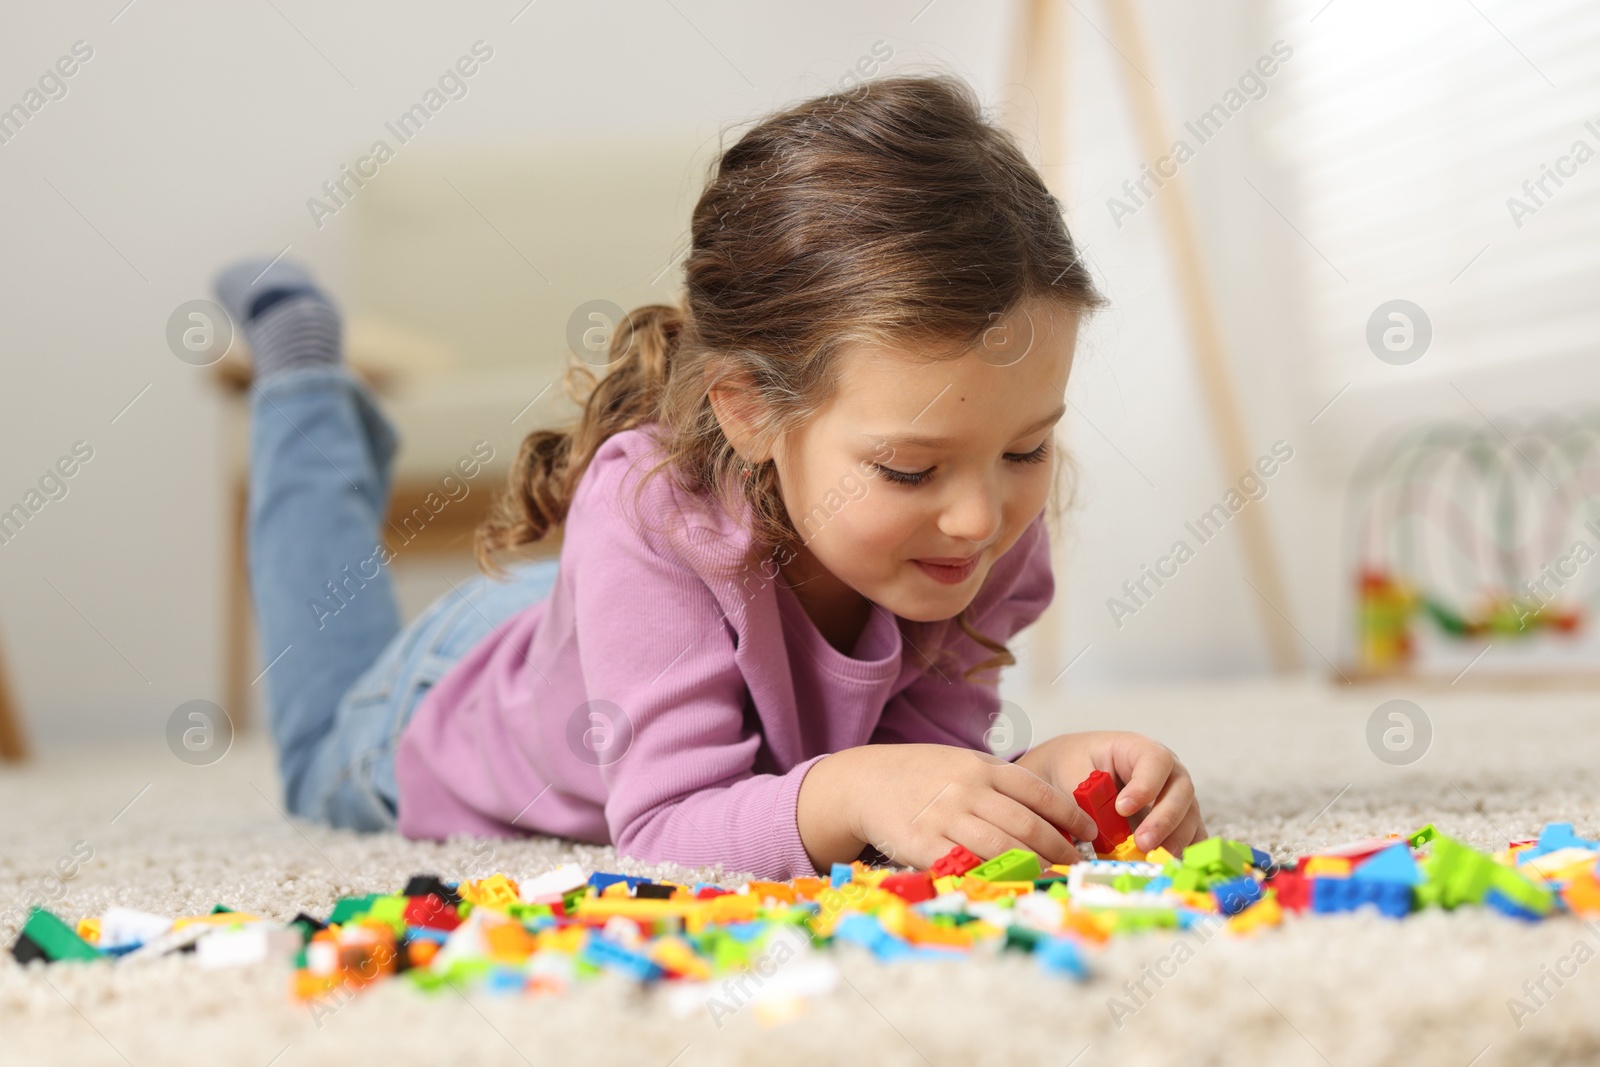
(13, 745)
(239, 624)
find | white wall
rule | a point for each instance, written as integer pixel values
(198, 131)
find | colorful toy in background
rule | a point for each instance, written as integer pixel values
(1478, 534)
(767, 945)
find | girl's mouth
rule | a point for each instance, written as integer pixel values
(949, 570)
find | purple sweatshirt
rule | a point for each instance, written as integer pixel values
(661, 703)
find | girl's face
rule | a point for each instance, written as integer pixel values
(919, 473)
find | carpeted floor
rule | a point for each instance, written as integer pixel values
(1286, 768)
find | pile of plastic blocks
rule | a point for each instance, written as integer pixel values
(552, 929)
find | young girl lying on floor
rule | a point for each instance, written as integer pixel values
(801, 513)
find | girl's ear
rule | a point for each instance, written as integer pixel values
(739, 412)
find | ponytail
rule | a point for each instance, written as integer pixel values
(550, 462)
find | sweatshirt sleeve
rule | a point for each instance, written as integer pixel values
(940, 706)
(655, 645)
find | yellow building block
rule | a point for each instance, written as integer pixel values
(1263, 913)
(89, 929)
(495, 891)
(774, 890)
(675, 955)
(1327, 867)
(947, 884)
(603, 907)
(616, 890)
(508, 942)
(1127, 851)
(1159, 855)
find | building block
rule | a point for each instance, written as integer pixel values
(1327, 867)
(912, 886)
(431, 911)
(1393, 864)
(1420, 837)
(957, 861)
(1126, 851)
(420, 885)
(1236, 894)
(1264, 912)
(841, 874)
(45, 937)
(1332, 895)
(541, 888)
(1097, 795)
(1061, 955)
(346, 909)
(1013, 865)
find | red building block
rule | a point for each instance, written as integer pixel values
(1097, 795)
(1293, 890)
(911, 885)
(957, 861)
(433, 912)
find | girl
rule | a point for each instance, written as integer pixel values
(801, 514)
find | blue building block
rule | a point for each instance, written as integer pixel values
(600, 880)
(1393, 864)
(1554, 837)
(607, 954)
(1502, 903)
(840, 874)
(865, 930)
(1236, 894)
(1333, 895)
(1061, 956)
(1260, 860)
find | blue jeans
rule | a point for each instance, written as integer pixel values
(343, 677)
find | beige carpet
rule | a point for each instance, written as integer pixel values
(1342, 991)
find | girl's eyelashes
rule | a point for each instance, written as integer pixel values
(1038, 455)
(902, 477)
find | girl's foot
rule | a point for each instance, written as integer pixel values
(288, 321)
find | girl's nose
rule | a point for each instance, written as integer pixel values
(973, 513)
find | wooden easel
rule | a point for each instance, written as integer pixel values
(1039, 63)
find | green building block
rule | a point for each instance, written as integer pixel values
(391, 910)
(1129, 883)
(1135, 920)
(1422, 836)
(1060, 891)
(1458, 873)
(1522, 891)
(1218, 856)
(1022, 939)
(347, 909)
(45, 936)
(1015, 865)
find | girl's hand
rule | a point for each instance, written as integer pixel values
(1157, 783)
(916, 802)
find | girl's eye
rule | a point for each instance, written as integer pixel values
(902, 477)
(1038, 455)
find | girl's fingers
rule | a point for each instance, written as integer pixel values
(1145, 769)
(981, 837)
(1174, 803)
(1045, 800)
(1189, 830)
(1021, 824)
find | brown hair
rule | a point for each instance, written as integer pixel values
(891, 213)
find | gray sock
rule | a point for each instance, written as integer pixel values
(288, 321)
